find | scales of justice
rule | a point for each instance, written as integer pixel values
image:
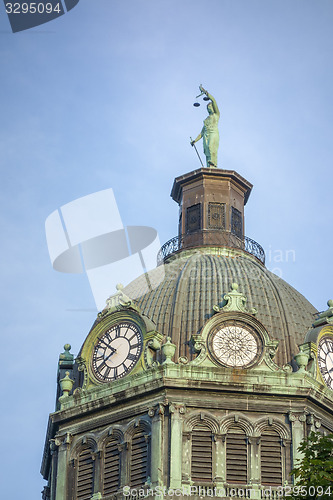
(209, 132)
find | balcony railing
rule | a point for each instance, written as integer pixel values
(210, 238)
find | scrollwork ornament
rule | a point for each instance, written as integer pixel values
(201, 348)
(53, 446)
(292, 417)
(151, 412)
(180, 408)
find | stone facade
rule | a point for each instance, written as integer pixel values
(218, 396)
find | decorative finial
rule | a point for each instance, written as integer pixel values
(66, 356)
(302, 359)
(66, 385)
(168, 350)
(210, 131)
(235, 301)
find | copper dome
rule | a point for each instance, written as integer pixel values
(195, 280)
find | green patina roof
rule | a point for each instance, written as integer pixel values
(195, 281)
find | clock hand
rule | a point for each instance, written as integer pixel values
(329, 355)
(112, 352)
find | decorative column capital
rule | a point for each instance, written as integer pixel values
(177, 408)
(63, 440)
(157, 410)
(254, 440)
(313, 421)
(298, 416)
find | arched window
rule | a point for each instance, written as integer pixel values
(236, 452)
(111, 467)
(139, 461)
(85, 474)
(201, 454)
(271, 458)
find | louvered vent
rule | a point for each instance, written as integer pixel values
(139, 458)
(236, 456)
(111, 468)
(85, 475)
(202, 457)
(271, 458)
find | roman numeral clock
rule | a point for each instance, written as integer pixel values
(325, 359)
(319, 344)
(117, 351)
(121, 342)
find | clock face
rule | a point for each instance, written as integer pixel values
(235, 345)
(117, 351)
(325, 360)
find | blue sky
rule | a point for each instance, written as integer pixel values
(102, 97)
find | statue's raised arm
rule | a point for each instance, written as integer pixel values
(210, 131)
(215, 106)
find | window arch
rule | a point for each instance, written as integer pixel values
(236, 455)
(202, 454)
(111, 467)
(139, 459)
(85, 474)
(271, 458)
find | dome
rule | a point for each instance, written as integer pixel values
(196, 280)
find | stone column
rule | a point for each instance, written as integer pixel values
(63, 442)
(157, 448)
(97, 475)
(297, 421)
(176, 410)
(254, 476)
(53, 478)
(219, 478)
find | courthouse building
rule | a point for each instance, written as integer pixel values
(209, 378)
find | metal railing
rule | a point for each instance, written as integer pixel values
(210, 238)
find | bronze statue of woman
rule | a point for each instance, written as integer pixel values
(210, 131)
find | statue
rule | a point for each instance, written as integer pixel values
(210, 131)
